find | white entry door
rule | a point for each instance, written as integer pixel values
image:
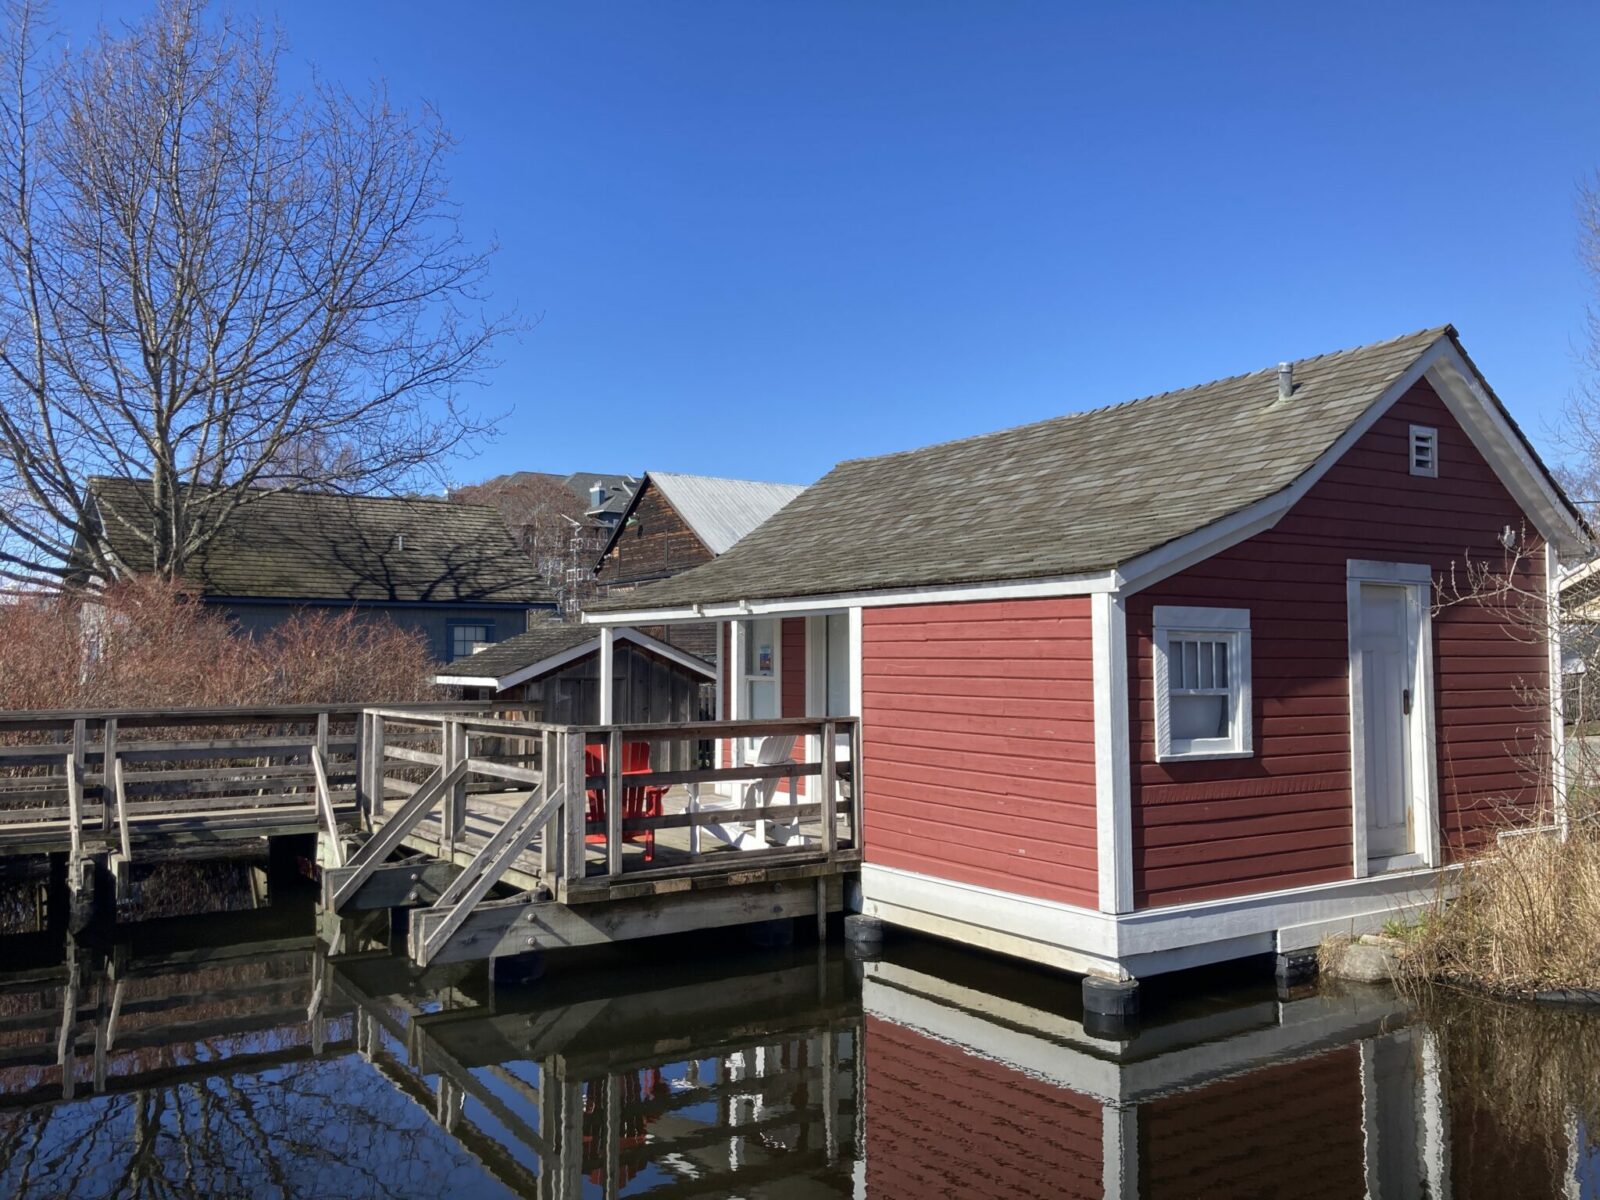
(1386, 635)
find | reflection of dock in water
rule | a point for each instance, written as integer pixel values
(595, 1079)
(135, 1019)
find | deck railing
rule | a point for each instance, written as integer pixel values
(789, 793)
(96, 778)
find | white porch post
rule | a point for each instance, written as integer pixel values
(608, 656)
(738, 631)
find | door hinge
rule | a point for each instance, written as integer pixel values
(1405, 702)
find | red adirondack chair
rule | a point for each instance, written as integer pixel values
(636, 801)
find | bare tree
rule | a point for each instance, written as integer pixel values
(216, 285)
(550, 524)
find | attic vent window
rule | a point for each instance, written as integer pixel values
(1424, 451)
(399, 541)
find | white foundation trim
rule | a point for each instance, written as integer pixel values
(1185, 1054)
(1112, 761)
(1149, 941)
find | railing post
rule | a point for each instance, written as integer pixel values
(108, 755)
(452, 746)
(857, 788)
(614, 803)
(375, 787)
(826, 786)
(550, 837)
(363, 763)
(80, 747)
(74, 815)
(574, 805)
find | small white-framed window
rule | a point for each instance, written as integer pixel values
(759, 671)
(1202, 682)
(1424, 451)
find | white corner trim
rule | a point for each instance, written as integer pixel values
(1026, 589)
(608, 680)
(1112, 754)
(1556, 688)
(856, 624)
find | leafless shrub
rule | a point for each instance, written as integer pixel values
(1528, 901)
(147, 643)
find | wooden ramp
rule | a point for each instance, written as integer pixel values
(500, 835)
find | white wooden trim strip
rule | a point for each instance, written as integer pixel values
(1028, 589)
(1557, 689)
(1112, 769)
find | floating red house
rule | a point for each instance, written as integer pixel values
(1168, 682)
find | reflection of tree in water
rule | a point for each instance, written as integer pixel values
(326, 1128)
(1523, 1079)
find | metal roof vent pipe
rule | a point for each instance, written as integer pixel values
(1285, 380)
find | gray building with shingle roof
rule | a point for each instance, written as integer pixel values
(449, 571)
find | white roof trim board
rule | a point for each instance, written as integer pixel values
(722, 511)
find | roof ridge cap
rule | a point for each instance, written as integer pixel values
(1436, 330)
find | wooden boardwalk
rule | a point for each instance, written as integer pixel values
(551, 864)
(110, 785)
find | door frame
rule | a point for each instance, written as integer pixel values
(1417, 579)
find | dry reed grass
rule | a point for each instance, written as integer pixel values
(1524, 918)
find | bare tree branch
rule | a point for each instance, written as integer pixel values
(216, 285)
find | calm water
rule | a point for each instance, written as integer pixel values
(232, 1055)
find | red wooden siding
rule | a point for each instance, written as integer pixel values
(1294, 1129)
(1282, 818)
(792, 687)
(941, 1122)
(978, 744)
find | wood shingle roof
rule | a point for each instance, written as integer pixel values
(310, 546)
(1072, 495)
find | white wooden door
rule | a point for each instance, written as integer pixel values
(1386, 646)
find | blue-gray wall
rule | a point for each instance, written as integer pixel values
(433, 621)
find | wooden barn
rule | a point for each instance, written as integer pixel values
(1168, 682)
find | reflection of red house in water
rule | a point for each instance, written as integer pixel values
(1326, 1097)
(1164, 683)
(636, 1087)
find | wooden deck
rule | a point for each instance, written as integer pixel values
(507, 872)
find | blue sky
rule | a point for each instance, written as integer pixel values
(761, 237)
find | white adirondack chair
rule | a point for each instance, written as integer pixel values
(742, 834)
